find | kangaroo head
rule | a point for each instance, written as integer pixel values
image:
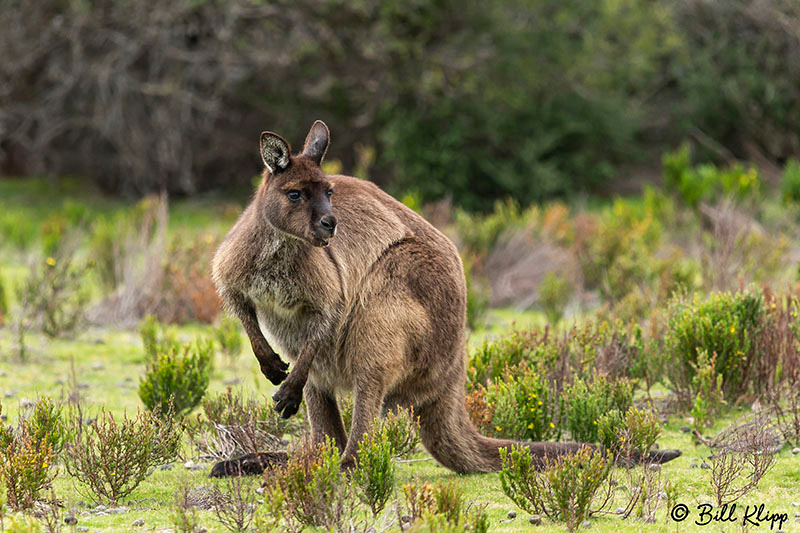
(295, 193)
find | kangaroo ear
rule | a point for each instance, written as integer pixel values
(317, 142)
(274, 151)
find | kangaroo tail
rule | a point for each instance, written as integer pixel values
(449, 436)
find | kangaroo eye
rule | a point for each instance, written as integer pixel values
(294, 196)
(330, 192)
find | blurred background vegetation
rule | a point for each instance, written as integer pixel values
(471, 101)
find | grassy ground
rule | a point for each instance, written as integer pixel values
(108, 364)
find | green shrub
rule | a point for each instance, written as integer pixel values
(54, 294)
(629, 434)
(441, 507)
(112, 458)
(156, 337)
(479, 233)
(725, 324)
(554, 294)
(790, 181)
(477, 299)
(26, 465)
(707, 383)
(706, 182)
(310, 490)
(525, 406)
(564, 490)
(588, 401)
(488, 363)
(184, 517)
(176, 380)
(45, 425)
(229, 339)
(373, 475)
(402, 431)
(3, 302)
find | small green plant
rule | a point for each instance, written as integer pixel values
(26, 463)
(724, 324)
(176, 380)
(564, 490)
(629, 435)
(488, 363)
(54, 296)
(477, 298)
(525, 406)
(228, 338)
(310, 490)
(588, 401)
(554, 294)
(113, 457)
(3, 302)
(709, 397)
(156, 338)
(373, 475)
(46, 426)
(790, 181)
(440, 507)
(402, 431)
(183, 517)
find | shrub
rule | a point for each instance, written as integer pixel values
(373, 475)
(724, 324)
(3, 302)
(563, 491)
(54, 295)
(477, 298)
(234, 507)
(440, 507)
(554, 294)
(708, 384)
(588, 401)
(229, 339)
(402, 431)
(183, 516)
(309, 490)
(790, 181)
(488, 363)
(45, 425)
(113, 457)
(156, 338)
(235, 425)
(525, 406)
(630, 434)
(26, 467)
(176, 380)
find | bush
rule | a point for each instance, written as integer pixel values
(440, 507)
(229, 339)
(708, 384)
(310, 490)
(725, 324)
(790, 181)
(402, 431)
(45, 425)
(554, 294)
(488, 363)
(707, 183)
(234, 507)
(564, 490)
(156, 338)
(477, 298)
(54, 295)
(373, 475)
(3, 302)
(183, 517)
(587, 402)
(176, 380)
(630, 434)
(26, 465)
(525, 406)
(112, 457)
(235, 425)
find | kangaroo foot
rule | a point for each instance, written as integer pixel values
(251, 464)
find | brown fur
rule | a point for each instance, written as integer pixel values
(380, 312)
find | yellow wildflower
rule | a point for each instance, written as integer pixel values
(51, 261)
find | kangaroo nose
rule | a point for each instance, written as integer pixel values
(328, 222)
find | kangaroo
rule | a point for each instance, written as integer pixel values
(363, 295)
